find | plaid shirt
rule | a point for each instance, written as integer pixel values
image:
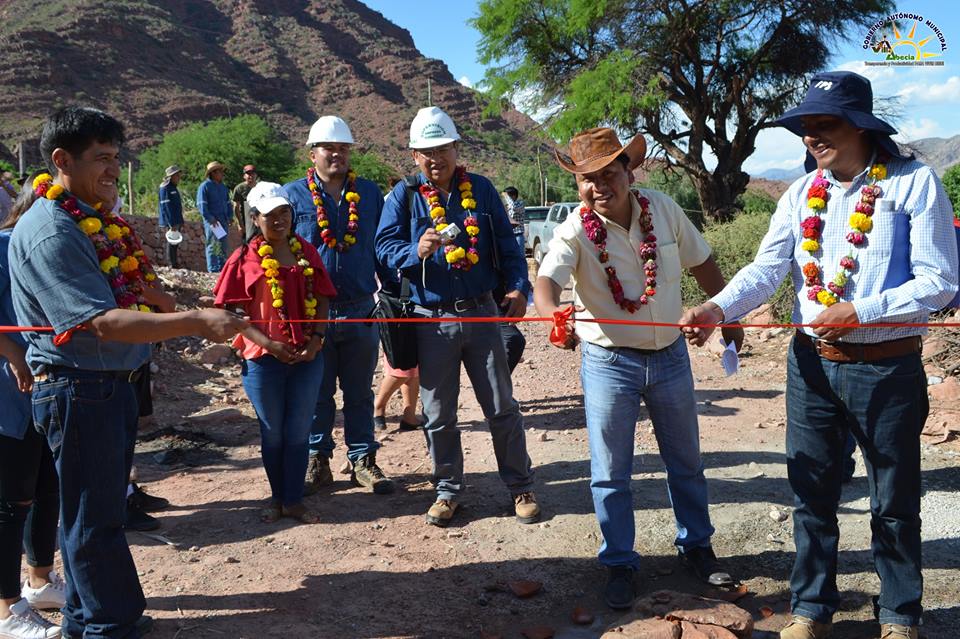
(906, 270)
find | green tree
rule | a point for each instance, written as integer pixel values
(689, 75)
(245, 139)
(951, 183)
(560, 185)
(366, 164)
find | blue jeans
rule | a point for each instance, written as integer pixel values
(614, 381)
(884, 404)
(283, 396)
(349, 355)
(215, 250)
(441, 348)
(90, 421)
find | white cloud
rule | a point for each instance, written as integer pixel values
(924, 93)
(776, 148)
(465, 81)
(876, 74)
(911, 130)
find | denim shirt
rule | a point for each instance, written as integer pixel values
(15, 415)
(56, 281)
(353, 272)
(400, 231)
(213, 201)
(171, 208)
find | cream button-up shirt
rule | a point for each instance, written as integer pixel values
(572, 254)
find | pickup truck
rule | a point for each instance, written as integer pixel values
(532, 214)
(540, 232)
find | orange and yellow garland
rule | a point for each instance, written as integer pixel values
(271, 270)
(327, 234)
(457, 257)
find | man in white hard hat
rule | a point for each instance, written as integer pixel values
(452, 274)
(338, 212)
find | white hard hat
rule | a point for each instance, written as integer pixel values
(432, 127)
(267, 196)
(329, 128)
(173, 237)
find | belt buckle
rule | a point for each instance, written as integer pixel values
(818, 346)
(458, 309)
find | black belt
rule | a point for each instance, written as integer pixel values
(461, 305)
(52, 373)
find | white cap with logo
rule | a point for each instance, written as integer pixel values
(267, 196)
(432, 127)
(329, 128)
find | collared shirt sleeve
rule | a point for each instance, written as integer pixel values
(563, 253)
(933, 259)
(691, 246)
(758, 281)
(203, 202)
(513, 263)
(164, 213)
(396, 249)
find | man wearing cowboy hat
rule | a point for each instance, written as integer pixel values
(171, 212)
(338, 212)
(623, 271)
(866, 238)
(445, 234)
(241, 210)
(213, 201)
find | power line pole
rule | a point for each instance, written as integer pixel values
(429, 93)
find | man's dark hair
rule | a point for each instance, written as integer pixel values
(75, 129)
(624, 159)
(512, 192)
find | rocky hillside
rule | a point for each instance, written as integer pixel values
(159, 64)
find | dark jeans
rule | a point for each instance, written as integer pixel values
(90, 420)
(284, 396)
(884, 405)
(171, 252)
(513, 340)
(26, 474)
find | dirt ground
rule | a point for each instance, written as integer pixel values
(374, 569)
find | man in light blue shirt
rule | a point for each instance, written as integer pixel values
(867, 239)
(213, 201)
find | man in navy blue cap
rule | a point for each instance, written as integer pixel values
(867, 238)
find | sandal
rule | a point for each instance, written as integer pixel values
(301, 513)
(271, 513)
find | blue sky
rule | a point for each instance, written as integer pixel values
(929, 96)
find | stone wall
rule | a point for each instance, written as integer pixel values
(189, 252)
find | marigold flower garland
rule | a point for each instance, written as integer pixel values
(120, 253)
(861, 223)
(597, 233)
(327, 234)
(457, 256)
(271, 270)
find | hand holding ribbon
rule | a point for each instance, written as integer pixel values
(563, 335)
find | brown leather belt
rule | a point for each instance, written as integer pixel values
(844, 352)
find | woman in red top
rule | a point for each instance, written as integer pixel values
(278, 279)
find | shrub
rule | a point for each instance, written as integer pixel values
(951, 183)
(734, 246)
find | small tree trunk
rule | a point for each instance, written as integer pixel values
(719, 192)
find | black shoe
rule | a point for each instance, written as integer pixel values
(139, 520)
(380, 422)
(704, 564)
(366, 473)
(408, 426)
(621, 590)
(144, 625)
(147, 503)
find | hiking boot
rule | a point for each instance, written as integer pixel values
(138, 520)
(25, 623)
(318, 474)
(896, 631)
(804, 628)
(621, 590)
(147, 503)
(441, 512)
(49, 596)
(705, 566)
(525, 505)
(366, 473)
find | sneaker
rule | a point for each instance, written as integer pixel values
(526, 508)
(318, 474)
(366, 473)
(147, 503)
(621, 590)
(803, 628)
(704, 564)
(139, 520)
(25, 623)
(896, 631)
(49, 596)
(441, 512)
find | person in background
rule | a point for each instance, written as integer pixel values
(278, 279)
(171, 210)
(8, 193)
(213, 201)
(241, 210)
(29, 497)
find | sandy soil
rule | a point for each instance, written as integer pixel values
(373, 569)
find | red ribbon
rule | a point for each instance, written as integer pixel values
(67, 335)
(559, 335)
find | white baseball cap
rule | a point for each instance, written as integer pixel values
(432, 127)
(173, 237)
(266, 197)
(329, 128)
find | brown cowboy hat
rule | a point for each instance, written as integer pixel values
(593, 149)
(213, 166)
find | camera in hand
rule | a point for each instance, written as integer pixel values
(449, 233)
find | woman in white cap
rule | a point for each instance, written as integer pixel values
(278, 280)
